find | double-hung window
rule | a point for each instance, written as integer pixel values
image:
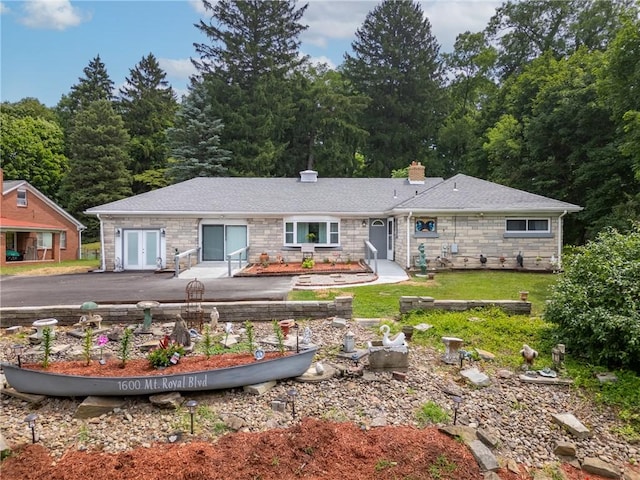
(322, 232)
(21, 196)
(45, 240)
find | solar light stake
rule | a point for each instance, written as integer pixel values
(191, 405)
(31, 422)
(456, 404)
(17, 350)
(295, 327)
(292, 395)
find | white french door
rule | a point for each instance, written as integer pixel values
(141, 249)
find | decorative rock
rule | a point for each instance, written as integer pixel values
(260, 388)
(476, 377)
(339, 322)
(598, 467)
(487, 438)
(12, 330)
(571, 424)
(486, 460)
(566, 449)
(467, 434)
(3, 443)
(503, 373)
(379, 422)
(422, 327)
(27, 397)
(484, 355)
(147, 346)
(631, 475)
(312, 375)
(452, 389)
(233, 422)
(278, 406)
(491, 476)
(167, 400)
(96, 406)
(180, 333)
(402, 376)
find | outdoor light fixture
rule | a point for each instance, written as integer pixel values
(293, 393)
(17, 350)
(163, 232)
(456, 404)
(462, 354)
(364, 223)
(295, 328)
(191, 405)
(118, 232)
(30, 420)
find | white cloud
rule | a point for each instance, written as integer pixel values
(3, 8)
(322, 60)
(52, 14)
(180, 68)
(339, 19)
(198, 6)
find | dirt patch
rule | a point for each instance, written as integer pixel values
(45, 271)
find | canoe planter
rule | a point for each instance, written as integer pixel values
(44, 382)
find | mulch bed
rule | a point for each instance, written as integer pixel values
(295, 268)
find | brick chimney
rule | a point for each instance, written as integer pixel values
(416, 173)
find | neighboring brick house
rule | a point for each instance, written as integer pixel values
(457, 220)
(33, 228)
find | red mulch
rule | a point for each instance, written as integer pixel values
(313, 449)
(295, 268)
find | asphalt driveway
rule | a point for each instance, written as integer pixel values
(128, 287)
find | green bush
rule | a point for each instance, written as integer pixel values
(596, 301)
(161, 356)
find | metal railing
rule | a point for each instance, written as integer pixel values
(178, 256)
(369, 251)
(239, 253)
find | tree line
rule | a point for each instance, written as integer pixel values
(544, 99)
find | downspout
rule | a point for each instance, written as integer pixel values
(103, 265)
(79, 243)
(409, 240)
(560, 239)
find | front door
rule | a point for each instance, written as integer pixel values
(141, 249)
(378, 236)
(220, 240)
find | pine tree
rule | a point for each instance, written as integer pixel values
(98, 159)
(396, 64)
(147, 105)
(254, 48)
(194, 140)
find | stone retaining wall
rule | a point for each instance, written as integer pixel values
(229, 312)
(512, 307)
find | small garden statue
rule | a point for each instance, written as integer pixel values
(422, 260)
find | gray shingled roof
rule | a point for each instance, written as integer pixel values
(465, 193)
(281, 196)
(358, 196)
(8, 185)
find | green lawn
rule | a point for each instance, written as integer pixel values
(382, 301)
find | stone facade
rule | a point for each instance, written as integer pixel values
(474, 235)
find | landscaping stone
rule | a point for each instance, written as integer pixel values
(485, 355)
(491, 476)
(94, 406)
(467, 434)
(476, 377)
(27, 397)
(598, 467)
(606, 377)
(339, 322)
(487, 438)
(312, 375)
(631, 475)
(171, 400)
(486, 460)
(260, 388)
(565, 449)
(571, 424)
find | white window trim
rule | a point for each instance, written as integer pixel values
(527, 220)
(40, 237)
(21, 202)
(63, 240)
(298, 219)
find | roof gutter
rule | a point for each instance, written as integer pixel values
(408, 264)
(560, 234)
(103, 264)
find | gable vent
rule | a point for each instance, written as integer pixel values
(309, 176)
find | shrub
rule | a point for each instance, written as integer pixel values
(161, 356)
(596, 301)
(308, 263)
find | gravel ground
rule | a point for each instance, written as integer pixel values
(518, 415)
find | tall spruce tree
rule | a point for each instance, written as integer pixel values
(95, 85)
(253, 49)
(98, 159)
(147, 104)
(396, 64)
(194, 140)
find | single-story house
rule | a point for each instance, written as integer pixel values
(457, 220)
(33, 227)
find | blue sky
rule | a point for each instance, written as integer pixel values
(46, 44)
